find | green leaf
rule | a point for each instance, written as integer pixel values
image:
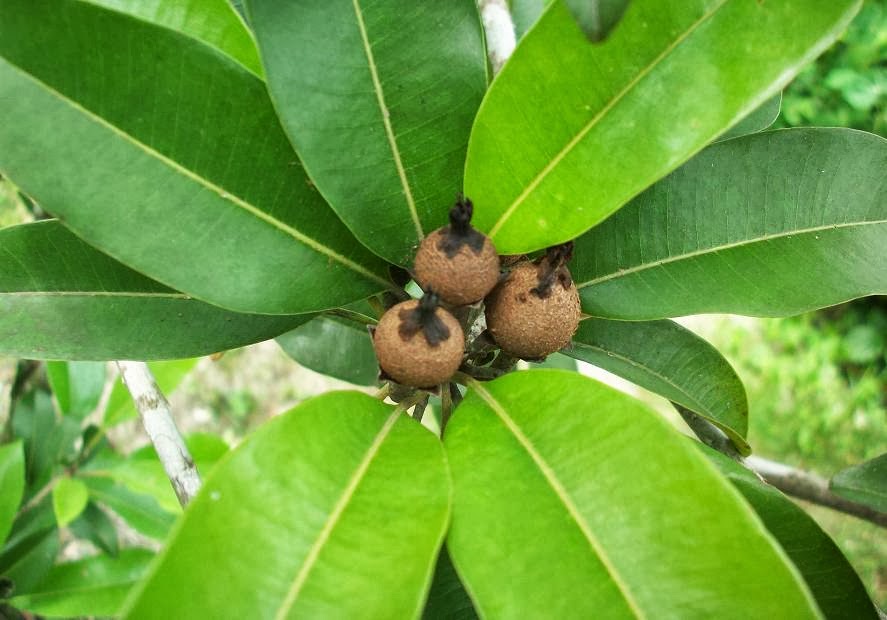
(214, 22)
(354, 500)
(73, 302)
(378, 99)
(525, 13)
(865, 483)
(758, 120)
(95, 586)
(556, 360)
(166, 121)
(574, 500)
(48, 441)
(77, 386)
(834, 583)
(447, 599)
(770, 224)
(96, 527)
(168, 376)
(69, 498)
(597, 18)
(569, 132)
(140, 511)
(335, 347)
(665, 358)
(12, 481)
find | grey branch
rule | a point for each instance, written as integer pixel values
(499, 29)
(810, 487)
(795, 482)
(161, 428)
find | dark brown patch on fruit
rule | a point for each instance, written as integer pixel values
(527, 325)
(460, 232)
(456, 261)
(407, 355)
(424, 318)
(553, 268)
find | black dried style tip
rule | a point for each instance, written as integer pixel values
(460, 232)
(424, 317)
(552, 268)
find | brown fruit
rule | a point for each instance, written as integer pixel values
(530, 315)
(459, 263)
(419, 344)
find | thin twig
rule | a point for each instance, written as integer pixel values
(161, 428)
(810, 487)
(446, 407)
(383, 392)
(419, 409)
(499, 29)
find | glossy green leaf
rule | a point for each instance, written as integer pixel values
(665, 358)
(191, 179)
(597, 18)
(770, 224)
(574, 500)
(12, 481)
(447, 599)
(758, 120)
(865, 483)
(140, 511)
(354, 500)
(556, 360)
(77, 386)
(214, 22)
(69, 498)
(96, 527)
(834, 583)
(95, 586)
(168, 376)
(73, 302)
(378, 99)
(335, 347)
(569, 132)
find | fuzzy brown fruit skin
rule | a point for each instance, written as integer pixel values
(525, 325)
(462, 279)
(412, 361)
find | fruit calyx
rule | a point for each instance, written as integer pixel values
(552, 268)
(424, 318)
(460, 231)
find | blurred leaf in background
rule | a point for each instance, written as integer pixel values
(847, 86)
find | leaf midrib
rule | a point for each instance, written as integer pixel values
(726, 246)
(386, 121)
(347, 494)
(205, 183)
(559, 490)
(560, 155)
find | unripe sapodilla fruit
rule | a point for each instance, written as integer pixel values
(419, 344)
(457, 262)
(535, 310)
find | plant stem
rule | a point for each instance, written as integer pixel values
(161, 428)
(419, 409)
(499, 29)
(810, 487)
(383, 392)
(446, 406)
